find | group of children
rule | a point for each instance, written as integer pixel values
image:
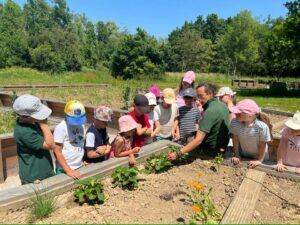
(197, 118)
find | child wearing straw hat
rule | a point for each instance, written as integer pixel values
(288, 152)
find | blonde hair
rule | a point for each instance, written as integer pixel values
(262, 116)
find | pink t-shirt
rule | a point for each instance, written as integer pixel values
(290, 147)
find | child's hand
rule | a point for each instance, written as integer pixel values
(280, 167)
(108, 147)
(254, 163)
(132, 160)
(135, 150)
(85, 163)
(74, 174)
(101, 150)
(235, 160)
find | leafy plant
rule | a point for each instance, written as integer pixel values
(126, 97)
(125, 177)
(204, 208)
(41, 206)
(219, 159)
(90, 191)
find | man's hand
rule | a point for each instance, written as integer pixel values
(254, 163)
(74, 174)
(172, 156)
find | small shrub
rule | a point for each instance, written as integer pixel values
(90, 191)
(125, 177)
(41, 206)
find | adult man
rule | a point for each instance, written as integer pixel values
(213, 133)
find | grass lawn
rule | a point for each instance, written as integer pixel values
(7, 122)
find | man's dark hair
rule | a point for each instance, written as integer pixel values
(208, 88)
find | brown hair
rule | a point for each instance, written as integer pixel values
(262, 116)
(208, 88)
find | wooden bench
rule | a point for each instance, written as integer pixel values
(244, 83)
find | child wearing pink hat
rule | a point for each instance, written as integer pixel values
(289, 147)
(250, 133)
(156, 91)
(122, 144)
(186, 82)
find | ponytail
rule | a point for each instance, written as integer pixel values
(262, 116)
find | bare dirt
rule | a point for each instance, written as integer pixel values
(165, 198)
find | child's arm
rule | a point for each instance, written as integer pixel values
(119, 147)
(261, 155)
(236, 144)
(141, 130)
(197, 124)
(282, 144)
(61, 159)
(175, 129)
(156, 129)
(48, 137)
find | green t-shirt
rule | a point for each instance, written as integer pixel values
(34, 162)
(215, 123)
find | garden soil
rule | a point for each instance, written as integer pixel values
(165, 198)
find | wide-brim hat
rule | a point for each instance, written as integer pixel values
(169, 96)
(294, 122)
(127, 123)
(225, 91)
(76, 121)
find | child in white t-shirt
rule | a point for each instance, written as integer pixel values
(69, 139)
(152, 117)
(250, 134)
(288, 152)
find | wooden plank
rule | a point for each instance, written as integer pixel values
(242, 207)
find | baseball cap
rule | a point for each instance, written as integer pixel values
(103, 113)
(142, 103)
(75, 113)
(294, 122)
(189, 77)
(126, 123)
(29, 105)
(155, 90)
(225, 91)
(189, 92)
(245, 106)
(169, 95)
(151, 98)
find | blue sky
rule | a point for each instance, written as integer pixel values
(160, 17)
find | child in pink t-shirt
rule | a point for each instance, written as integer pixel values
(288, 152)
(122, 144)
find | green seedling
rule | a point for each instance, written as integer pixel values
(125, 177)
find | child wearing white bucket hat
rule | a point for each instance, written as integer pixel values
(227, 96)
(122, 144)
(288, 152)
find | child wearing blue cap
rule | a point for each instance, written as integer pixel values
(189, 117)
(69, 139)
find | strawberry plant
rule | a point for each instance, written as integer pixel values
(125, 177)
(158, 163)
(89, 191)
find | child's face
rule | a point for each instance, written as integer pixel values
(188, 101)
(100, 124)
(185, 85)
(27, 119)
(128, 134)
(244, 117)
(225, 98)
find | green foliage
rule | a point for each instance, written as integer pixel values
(137, 55)
(7, 122)
(219, 160)
(126, 97)
(89, 191)
(159, 163)
(125, 177)
(41, 206)
(204, 207)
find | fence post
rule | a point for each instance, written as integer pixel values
(1, 166)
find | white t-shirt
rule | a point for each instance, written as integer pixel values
(249, 137)
(72, 139)
(152, 116)
(166, 119)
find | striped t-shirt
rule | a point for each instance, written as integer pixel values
(249, 137)
(188, 118)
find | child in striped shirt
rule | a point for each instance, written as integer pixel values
(189, 117)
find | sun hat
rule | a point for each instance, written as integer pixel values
(126, 123)
(142, 103)
(155, 90)
(225, 91)
(245, 106)
(189, 92)
(294, 122)
(151, 98)
(103, 113)
(169, 95)
(29, 105)
(189, 77)
(75, 113)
